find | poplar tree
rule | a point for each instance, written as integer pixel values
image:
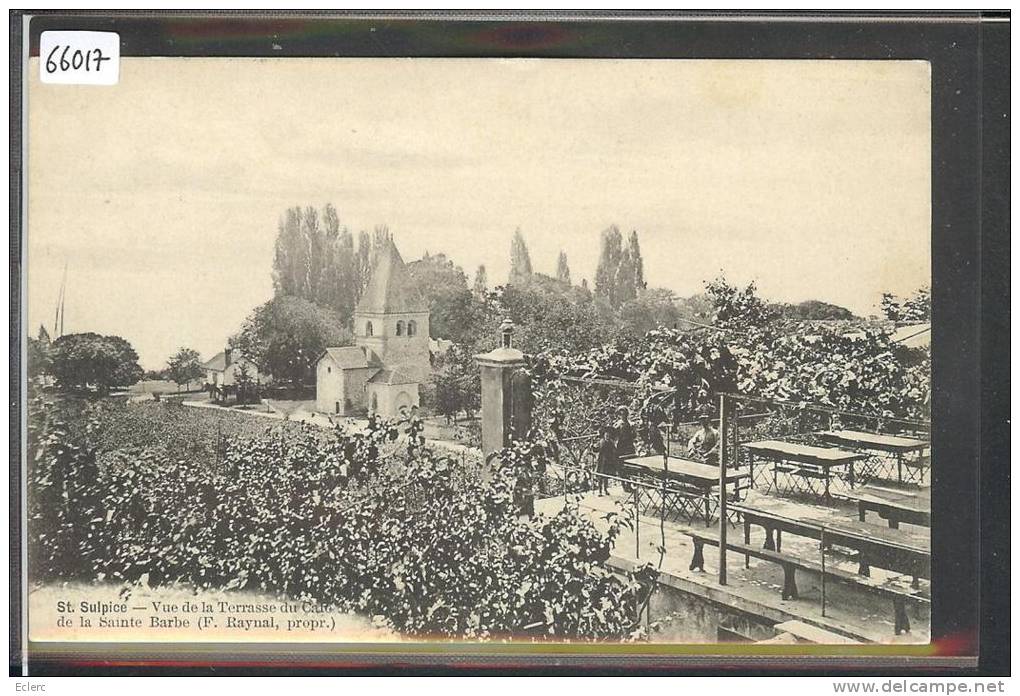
(562, 269)
(520, 259)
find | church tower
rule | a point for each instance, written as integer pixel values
(391, 322)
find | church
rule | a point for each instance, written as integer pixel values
(382, 372)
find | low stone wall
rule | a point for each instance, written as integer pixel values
(689, 614)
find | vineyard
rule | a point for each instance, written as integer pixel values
(347, 520)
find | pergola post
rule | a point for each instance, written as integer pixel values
(723, 425)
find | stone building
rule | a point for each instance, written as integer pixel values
(383, 370)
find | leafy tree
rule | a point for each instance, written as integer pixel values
(88, 360)
(284, 336)
(444, 286)
(184, 367)
(481, 285)
(562, 269)
(315, 259)
(638, 264)
(739, 309)
(38, 356)
(814, 310)
(891, 307)
(606, 275)
(620, 275)
(625, 288)
(244, 383)
(520, 259)
(548, 317)
(653, 308)
(455, 384)
(916, 308)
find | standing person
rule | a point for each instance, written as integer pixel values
(606, 464)
(624, 433)
(655, 419)
(705, 441)
(624, 439)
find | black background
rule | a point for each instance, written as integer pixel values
(969, 56)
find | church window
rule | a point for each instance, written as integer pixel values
(412, 328)
(368, 328)
(400, 328)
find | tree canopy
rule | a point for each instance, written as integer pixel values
(84, 361)
(316, 259)
(520, 259)
(916, 308)
(184, 366)
(444, 286)
(285, 335)
(620, 274)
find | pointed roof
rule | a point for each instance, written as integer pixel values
(389, 289)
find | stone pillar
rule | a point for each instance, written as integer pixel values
(506, 394)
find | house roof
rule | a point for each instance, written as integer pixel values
(346, 357)
(217, 362)
(400, 374)
(389, 289)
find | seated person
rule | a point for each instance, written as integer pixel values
(705, 442)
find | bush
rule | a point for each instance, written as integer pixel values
(331, 517)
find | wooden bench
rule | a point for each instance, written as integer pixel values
(790, 565)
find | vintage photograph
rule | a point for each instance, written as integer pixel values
(376, 350)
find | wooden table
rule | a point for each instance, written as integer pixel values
(817, 459)
(697, 475)
(893, 505)
(894, 550)
(879, 442)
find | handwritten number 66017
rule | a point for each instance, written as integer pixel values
(89, 59)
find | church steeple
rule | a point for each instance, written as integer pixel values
(391, 321)
(389, 289)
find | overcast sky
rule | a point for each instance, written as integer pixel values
(162, 193)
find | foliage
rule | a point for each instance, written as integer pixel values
(814, 310)
(480, 288)
(435, 550)
(88, 360)
(548, 317)
(916, 308)
(452, 310)
(39, 355)
(674, 373)
(520, 259)
(739, 309)
(245, 384)
(316, 259)
(184, 367)
(563, 269)
(619, 276)
(651, 309)
(284, 336)
(455, 384)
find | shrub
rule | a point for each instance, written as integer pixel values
(333, 517)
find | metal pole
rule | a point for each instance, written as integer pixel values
(637, 521)
(736, 449)
(822, 535)
(723, 417)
